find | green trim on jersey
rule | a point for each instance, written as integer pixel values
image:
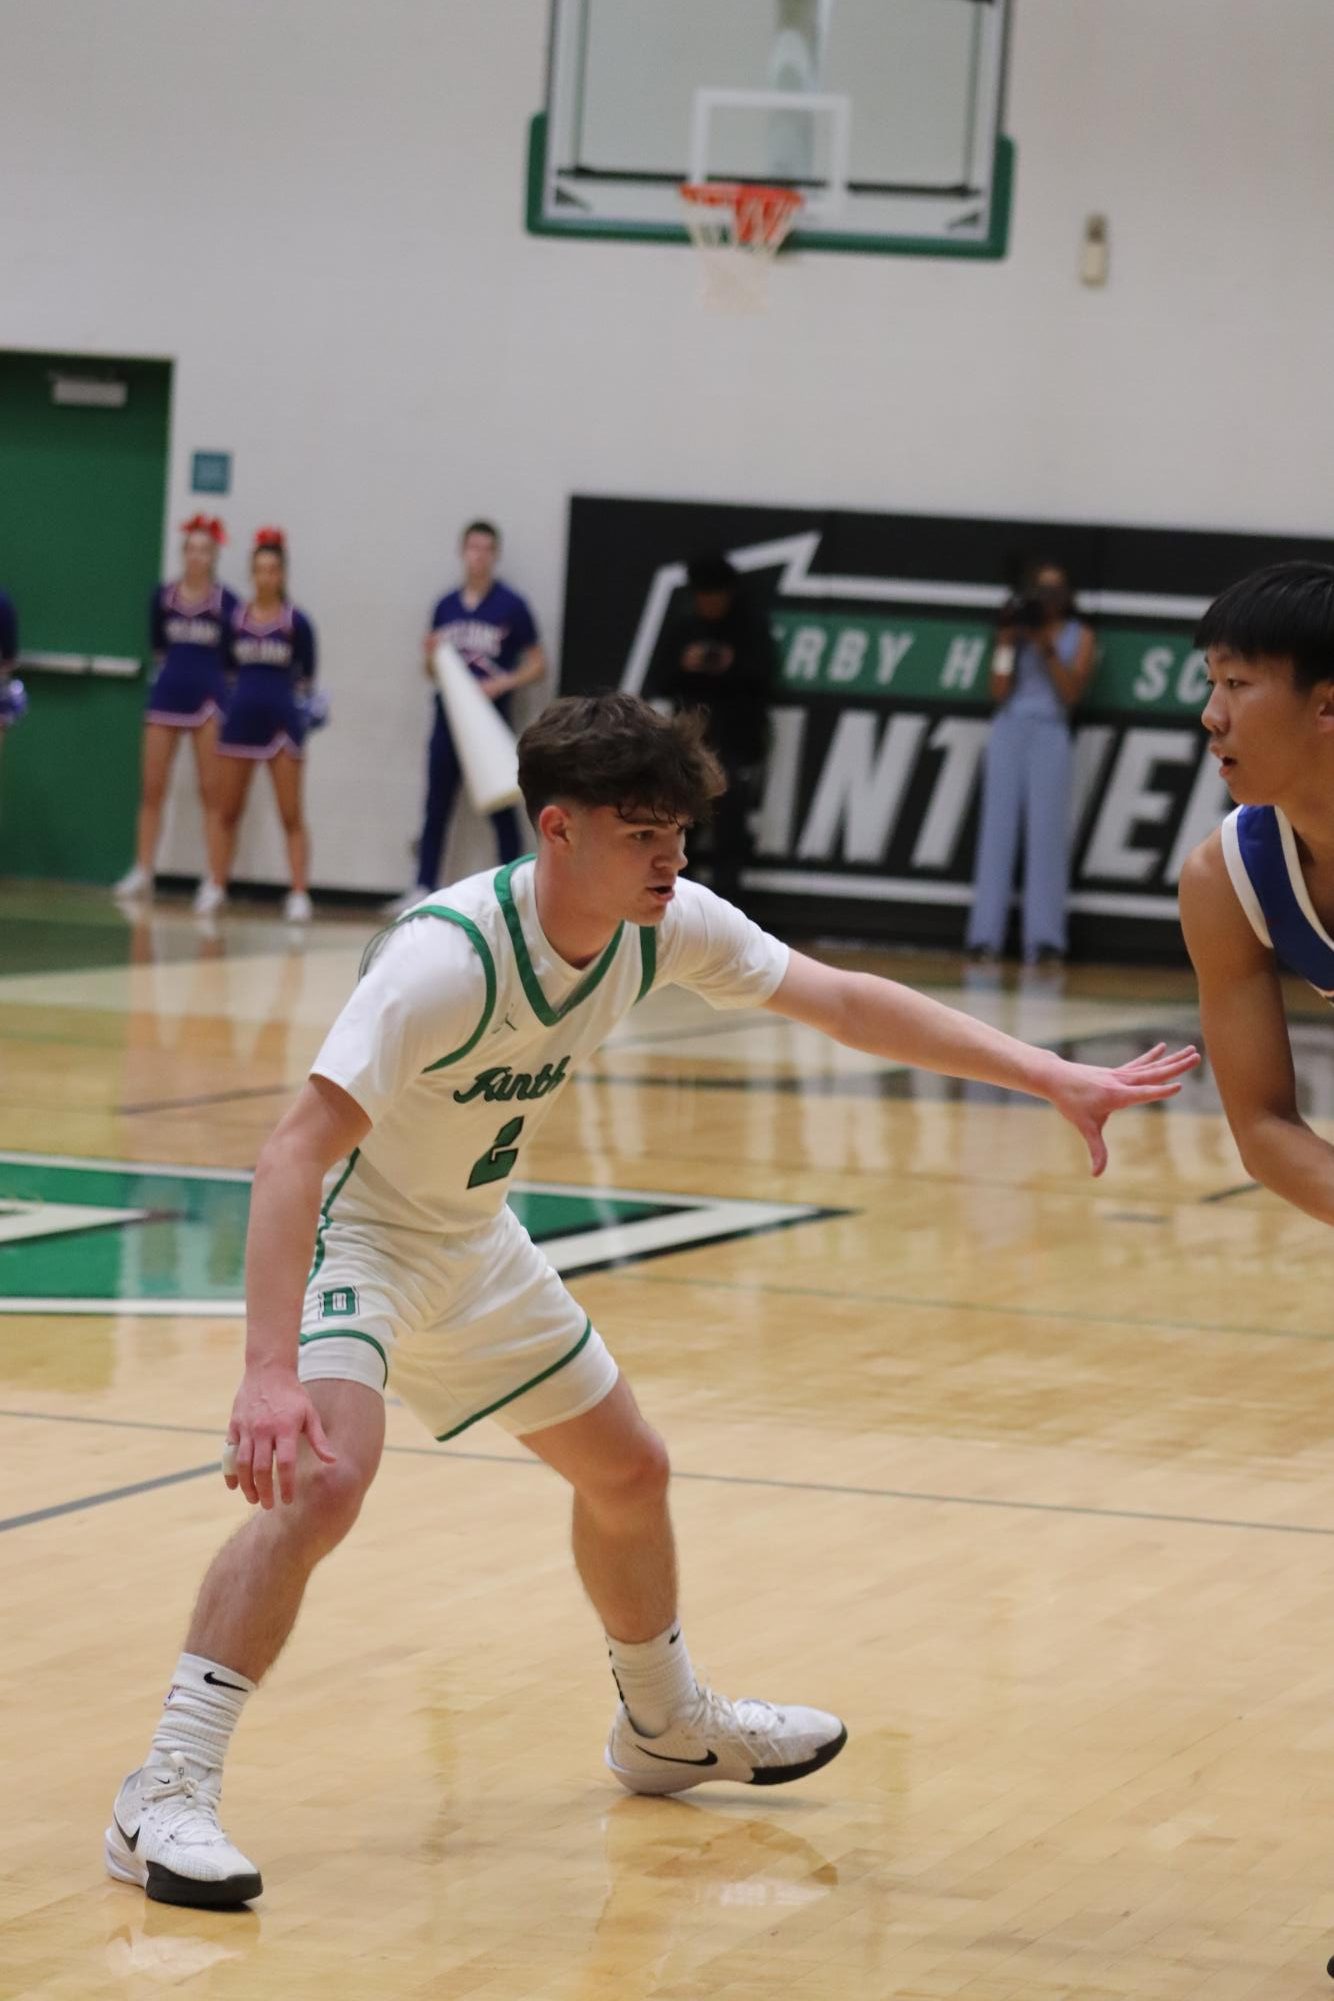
(479, 945)
(483, 951)
(537, 1000)
(348, 1334)
(648, 953)
(531, 1384)
(329, 1201)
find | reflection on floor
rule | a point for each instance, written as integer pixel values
(1027, 1475)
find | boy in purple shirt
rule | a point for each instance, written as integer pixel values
(494, 633)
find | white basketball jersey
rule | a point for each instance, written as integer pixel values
(466, 1026)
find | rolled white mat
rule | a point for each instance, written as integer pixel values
(488, 753)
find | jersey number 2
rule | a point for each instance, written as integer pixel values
(496, 1164)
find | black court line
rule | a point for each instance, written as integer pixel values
(1226, 1194)
(112, 1494)
(920, 1496)
(211, 1098)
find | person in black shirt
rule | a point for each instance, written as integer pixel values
(719, 656)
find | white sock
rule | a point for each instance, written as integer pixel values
(202, 1709)
(655, 1678)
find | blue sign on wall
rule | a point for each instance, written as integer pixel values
(211, 472)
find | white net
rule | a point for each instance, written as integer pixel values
(738, 229)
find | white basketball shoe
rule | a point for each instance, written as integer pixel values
(752, 1743)
(297, 908)
(209, 897)
(164, 1835)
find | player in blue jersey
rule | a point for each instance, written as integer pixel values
(1257, 897)
(188, 623)
(271, 652)
(494, 632)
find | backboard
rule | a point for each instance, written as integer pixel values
(884, 114)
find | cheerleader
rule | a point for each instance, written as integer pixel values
(13, 699)
(189, 621)
(271, 650)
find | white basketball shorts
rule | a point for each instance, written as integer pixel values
(460, 1328)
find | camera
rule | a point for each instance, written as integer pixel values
(713, 655)
(1028, 610)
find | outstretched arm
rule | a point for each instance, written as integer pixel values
(1246, 1036)
(887, 1019)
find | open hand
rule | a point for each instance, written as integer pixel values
(1087, 1095)
(269, 1416)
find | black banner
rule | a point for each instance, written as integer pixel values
(867, 818)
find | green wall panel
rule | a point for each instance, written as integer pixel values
(82, 493)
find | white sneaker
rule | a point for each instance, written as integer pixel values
(409, 900)
(209, 896)
(750, 1742)
(297, 909)
(164, 1835)
(137, 881)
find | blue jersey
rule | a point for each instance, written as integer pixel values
(262, 648)
(1260, 850)
(493, 636)
(9, 632)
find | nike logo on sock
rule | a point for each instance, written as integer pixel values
(216, 1681)
(710, 1757)
(131, 1840)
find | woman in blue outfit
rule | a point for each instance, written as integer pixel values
(1040, 669)
(188, 624)
(271, 651)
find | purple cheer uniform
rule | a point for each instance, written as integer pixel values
(189, 640)
(271, 659)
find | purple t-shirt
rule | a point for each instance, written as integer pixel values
(493, 636)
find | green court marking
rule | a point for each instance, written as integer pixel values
(83, 1236)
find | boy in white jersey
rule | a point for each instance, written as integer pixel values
(1259, 893)
(394, 1162)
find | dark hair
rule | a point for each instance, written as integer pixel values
(616, 750)
(1285, 611)
(480, 528)
(1034, 571)
(711, 572)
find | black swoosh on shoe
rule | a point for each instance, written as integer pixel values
(710, 1757)
(131, 1840)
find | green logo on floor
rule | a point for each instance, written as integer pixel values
(90, 1236)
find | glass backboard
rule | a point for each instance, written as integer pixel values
(884, 114)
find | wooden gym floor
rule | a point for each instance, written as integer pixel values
(1029, 1477)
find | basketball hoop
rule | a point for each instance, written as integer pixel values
(738, 227)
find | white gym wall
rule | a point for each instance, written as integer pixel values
(314, 207)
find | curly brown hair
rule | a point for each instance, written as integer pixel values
(616, 750)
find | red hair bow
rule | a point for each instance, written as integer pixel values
(204, 524)
(271, 538)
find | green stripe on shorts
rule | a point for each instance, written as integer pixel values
(531, 1384)
(349, 1334)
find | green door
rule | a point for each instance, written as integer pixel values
(82, 492)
